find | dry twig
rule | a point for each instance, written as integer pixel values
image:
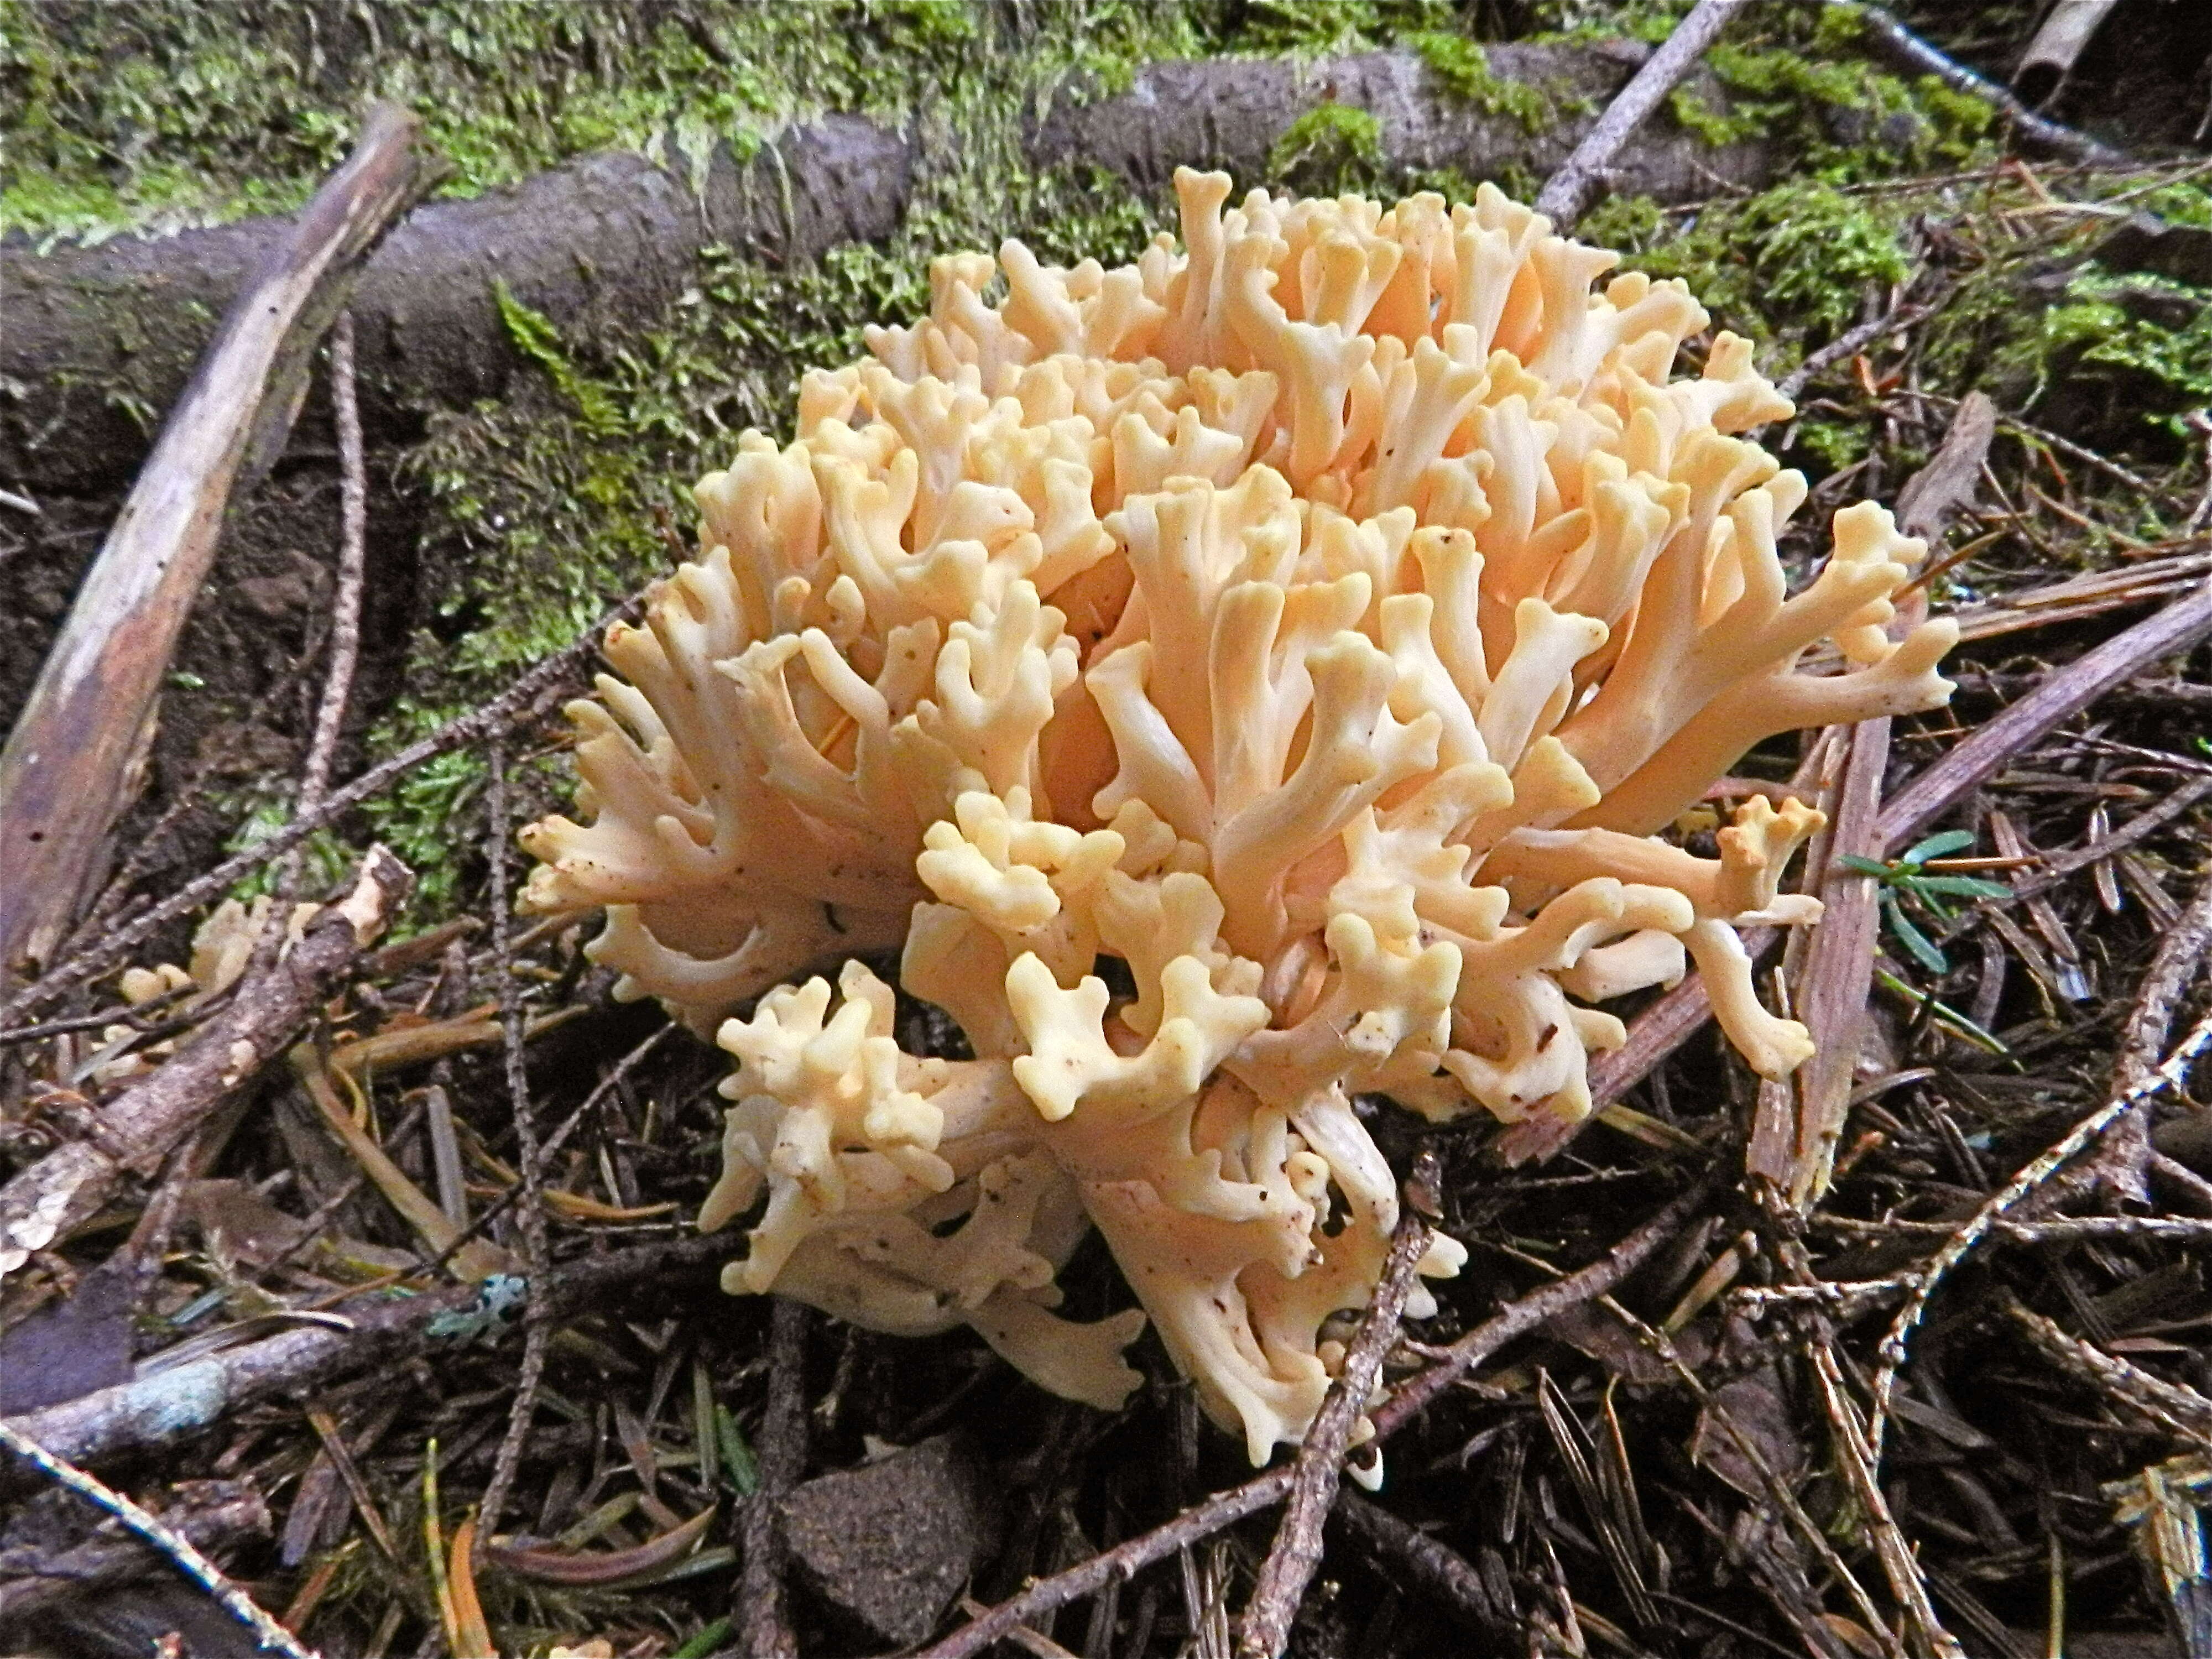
(1516, 1319)
(172, 1543)
(2135, 1083)
(1568, 191)
(528, 1157)
(1314, 1477)
(67, 1186)
(763, 1618)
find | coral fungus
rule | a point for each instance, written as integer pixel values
(1320, 617)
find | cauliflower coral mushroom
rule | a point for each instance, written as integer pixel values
(1318, 618)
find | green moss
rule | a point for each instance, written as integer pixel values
(1462, 68)
(1790, 267)
(1327, 28)
(2147, 336)
(1331, 148)
(168, 112)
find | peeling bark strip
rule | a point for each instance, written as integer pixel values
(66, 773)
(619, 235)
(72, 1183)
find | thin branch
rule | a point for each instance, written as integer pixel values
(1568, 191)
(2061, 695)
(353, 561)
(1851, 342)
(536, 1332)
(2179, 1410)
(1319, 1465)
(165, 1403)
(2135, 1083)
(1903, 47)
(172, 1543)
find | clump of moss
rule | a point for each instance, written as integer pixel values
(1801, 78)
(169, 112)
(1331, 148)
(2129, 347)
(1324, 27)
(1462, 68)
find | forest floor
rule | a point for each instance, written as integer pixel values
(1964, 1400)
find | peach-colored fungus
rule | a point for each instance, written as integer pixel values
(1321, 616)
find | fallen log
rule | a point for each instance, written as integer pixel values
(616, 236)
(1229, 113)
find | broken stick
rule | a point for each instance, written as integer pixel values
(72, 765)
(73, 1182)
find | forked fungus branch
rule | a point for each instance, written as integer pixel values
(1317, 618)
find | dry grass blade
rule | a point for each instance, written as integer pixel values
(605, 1567)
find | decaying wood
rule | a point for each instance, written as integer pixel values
(608, 235)
(1569, 190)
(621, 234)
(2065, 31)
(67, 772)
(189, 1560)
(212, 1515)
(764, 1616)
(131, 1134)
(1893, 40)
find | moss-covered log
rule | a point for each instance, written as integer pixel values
(99, 336)
(611, 236)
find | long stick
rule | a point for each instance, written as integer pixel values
(72, 763)
(1316, 1475)
(164, 1406)
(178, 1548)
(1567, 192)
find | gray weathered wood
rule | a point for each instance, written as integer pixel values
(70, 765)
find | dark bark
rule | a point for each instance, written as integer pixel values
(608, 235)
(94, 332)
(1228, 113)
